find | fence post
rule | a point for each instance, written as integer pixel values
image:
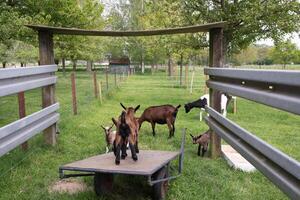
(46, 57)
(74, 100)
(95, 84)
(22, 113)
(192, 81)
(115, 78)
(216, 56)
(100, 91)
(205, 87)
(186, 76)
(106, 78)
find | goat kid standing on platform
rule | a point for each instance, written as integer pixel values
(127, 131)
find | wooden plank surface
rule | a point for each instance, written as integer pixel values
(149, 161)
(167, 31)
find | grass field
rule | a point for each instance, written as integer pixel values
(28, 175)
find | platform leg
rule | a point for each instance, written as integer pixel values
(103, 183)
(160, 189)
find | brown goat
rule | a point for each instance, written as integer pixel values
(127, 131)
(164, 114)
(203, 141)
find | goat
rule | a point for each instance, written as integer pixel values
(164, 114)
(110, 136)
(203, 141)
(127, 132)
(204, 100)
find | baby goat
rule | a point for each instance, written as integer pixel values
(203, 141)
(165, 114)
(110, 137)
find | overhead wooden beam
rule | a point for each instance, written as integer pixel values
(167, 31)
(216, 59)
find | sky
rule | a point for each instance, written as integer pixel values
(294, 37)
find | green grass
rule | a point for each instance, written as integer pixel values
(27, 175)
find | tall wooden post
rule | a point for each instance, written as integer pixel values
(106, 78)
(216, 58)
(22, 113)
(74, 98)
(95, 84)
(46, 55)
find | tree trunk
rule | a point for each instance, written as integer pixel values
(142, 63)
(22, 64)
(63, 61)
(89, 66)
(74, 65)
(4, 64)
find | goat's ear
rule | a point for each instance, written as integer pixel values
(178, 106)
(114, 121)
(136, 108)
(123, 106)
(103, 127)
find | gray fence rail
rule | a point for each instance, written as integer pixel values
(17, 80)
(279, 89)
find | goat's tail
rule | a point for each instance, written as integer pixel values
(176, 111)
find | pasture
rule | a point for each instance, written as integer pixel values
(28, 175)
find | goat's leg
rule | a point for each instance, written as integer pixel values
(199, 149)
(173, 130)
(123, 149)
(153, 128)
(170, 128)
(132, 147)
(137, 146)
(118, 149)
(203, 151)
(107, 149)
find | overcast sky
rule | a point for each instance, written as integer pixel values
(295, 36)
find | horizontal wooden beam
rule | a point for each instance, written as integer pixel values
(167, 31)
(26, 71)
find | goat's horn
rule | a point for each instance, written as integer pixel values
(123, 106)
(192, 136)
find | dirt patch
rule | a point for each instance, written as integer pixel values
(70, 186)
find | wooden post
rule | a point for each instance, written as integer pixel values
(234, 105)
(46, 57)
(215, 60)
(74, 99)
(22, 113)
(205, 87)
(186, 76)
(100, 91)
(95, 84)
(180, 74)
(115, 78)
(106, 78)
(192, 81)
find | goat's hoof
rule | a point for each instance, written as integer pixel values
(135, 158)
(117, 162)
(123, 157)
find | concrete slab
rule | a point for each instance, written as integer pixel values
(236, 160)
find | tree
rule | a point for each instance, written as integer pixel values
(248, 21)
(284, 53)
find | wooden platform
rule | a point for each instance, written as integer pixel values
(149, 162)
(236, 160)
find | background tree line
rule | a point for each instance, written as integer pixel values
(248, 22)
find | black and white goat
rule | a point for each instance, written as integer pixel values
(204, 100)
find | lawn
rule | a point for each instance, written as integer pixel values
(28, 175)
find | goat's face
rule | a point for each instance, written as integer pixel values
(187, 108)
(130, 110)
(194, 139)
(107, 129)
